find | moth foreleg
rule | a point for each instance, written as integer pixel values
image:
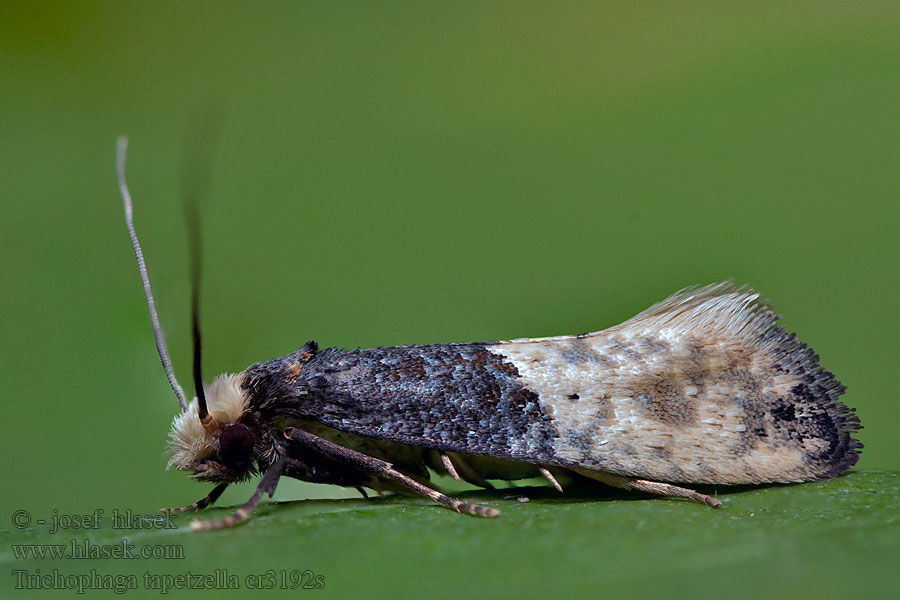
(649, 487)
(202, 502)
(266, 486)
(384, 470)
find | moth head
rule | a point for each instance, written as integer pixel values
(212, 436)
(220, 445)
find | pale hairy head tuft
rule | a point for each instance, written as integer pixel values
(227, 402)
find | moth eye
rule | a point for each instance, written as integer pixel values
(235, 444)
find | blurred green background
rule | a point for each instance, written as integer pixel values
(401, 173)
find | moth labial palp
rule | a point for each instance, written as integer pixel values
(701, 388)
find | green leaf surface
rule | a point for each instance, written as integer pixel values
(418, 172)
(816, 540)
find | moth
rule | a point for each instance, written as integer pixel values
(701, 388)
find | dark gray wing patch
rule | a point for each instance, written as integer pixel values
(456, 397)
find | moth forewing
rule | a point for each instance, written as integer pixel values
(702, 388)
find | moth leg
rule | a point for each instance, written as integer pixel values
(362, 492)
(667, 489)
(650, 487)
(202, 502)
(549, 477)
(448, 466)
(266, 486)
(385, 470)
(469, 474)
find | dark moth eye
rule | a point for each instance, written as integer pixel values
(235, 444)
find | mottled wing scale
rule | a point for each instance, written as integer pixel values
(700, 388)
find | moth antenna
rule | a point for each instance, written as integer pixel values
(202, 411)
(121, 149)
(192, 219)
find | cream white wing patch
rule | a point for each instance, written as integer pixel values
(699, 388)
